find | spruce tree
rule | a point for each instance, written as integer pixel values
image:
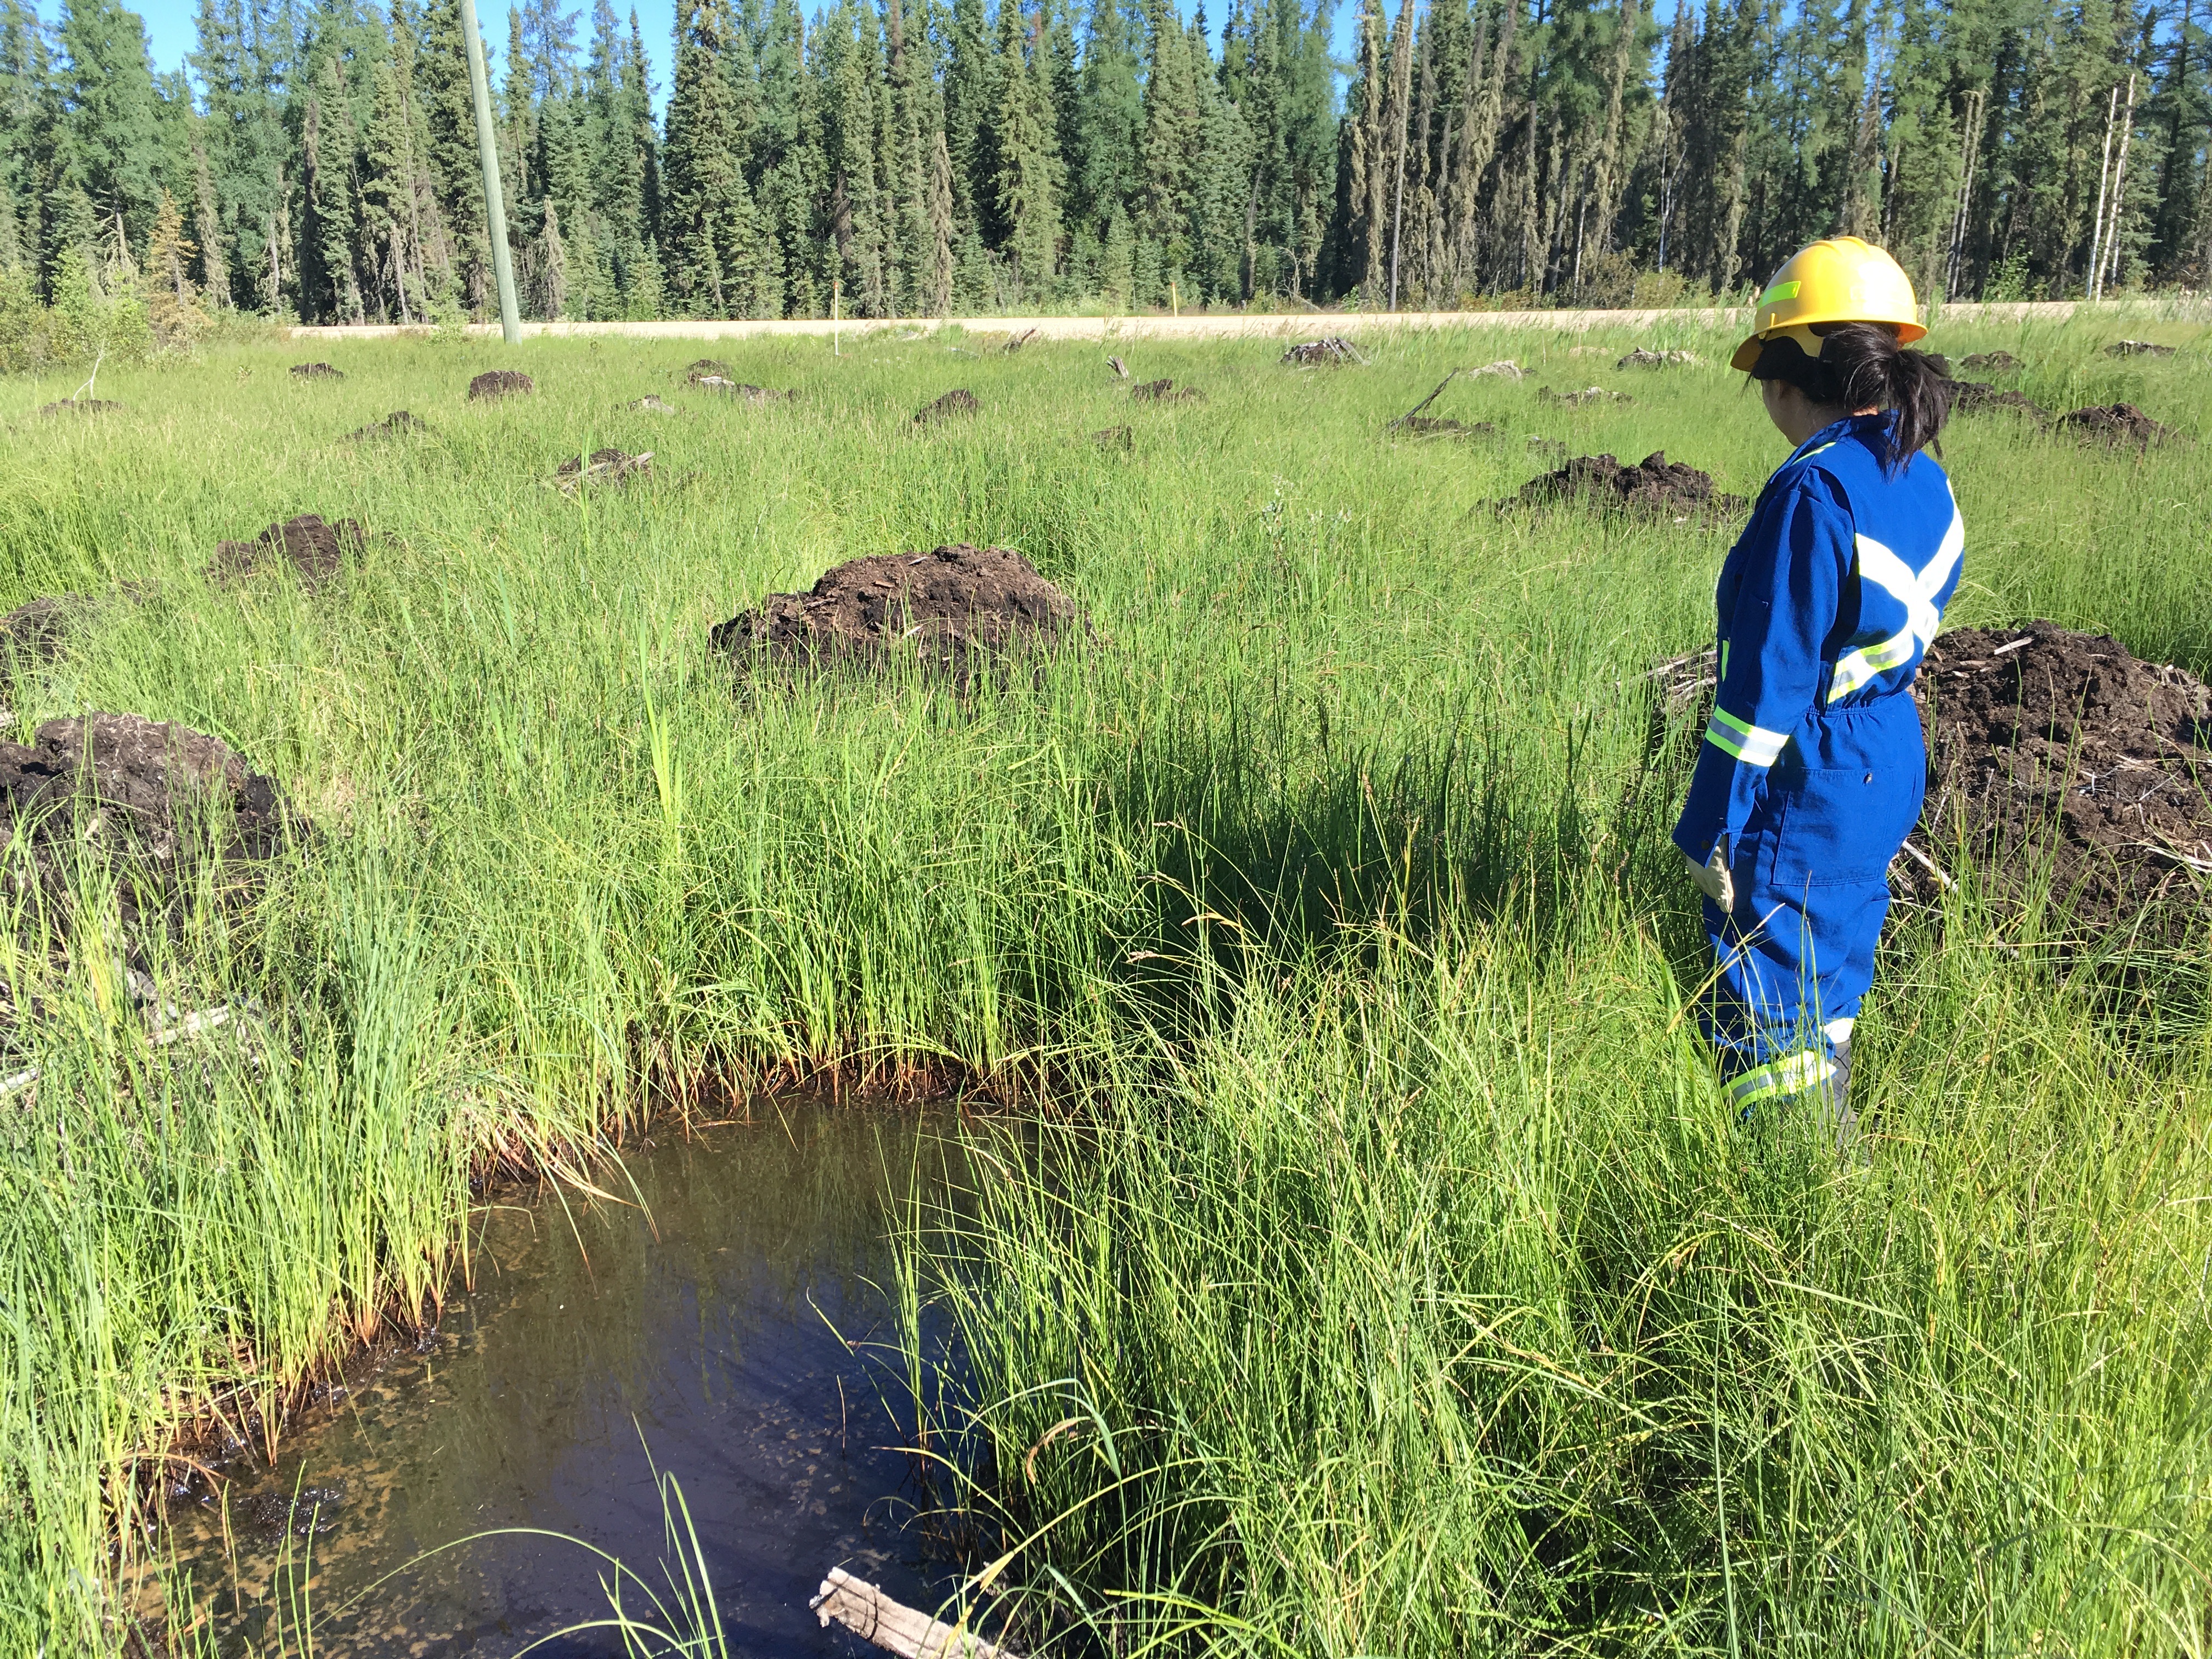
(1028, 183)
(111, 129)
(715, 252)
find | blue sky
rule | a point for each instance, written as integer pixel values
(169, 28)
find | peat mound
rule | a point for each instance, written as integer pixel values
(1993, 362)
(939, 609)
(649, 404)
(1640, 358)
(1654, 487)
(2137, 349)
(392, 426)
(1979, 398)
(604, 466)
(152, 800)
(756, 395)
(959, 401)
(80, 406)
(36, 631)
(1165, 391)
(707, 368)
(315, 549)
(315, 372)
(500, 383)
(1595, 394)
(2048, 746)
(1330, 352)
(1433, 426)
(2120, 425)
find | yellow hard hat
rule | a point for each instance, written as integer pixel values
(1838, 280)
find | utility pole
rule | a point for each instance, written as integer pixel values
(502, 266)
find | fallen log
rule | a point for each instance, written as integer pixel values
(869, 1613)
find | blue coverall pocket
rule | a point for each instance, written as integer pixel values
(1840, 826)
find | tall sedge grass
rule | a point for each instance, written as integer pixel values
(1329, 885)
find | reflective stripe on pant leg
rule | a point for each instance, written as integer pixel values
(1790, 1075)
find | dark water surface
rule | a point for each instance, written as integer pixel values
(717, 1350)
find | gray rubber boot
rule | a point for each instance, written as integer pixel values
(1839, 1092)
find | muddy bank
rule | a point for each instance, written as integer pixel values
(2062, 751)
(1654, 488)
(944, 611)
(313, 549)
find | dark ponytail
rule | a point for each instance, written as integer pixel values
(1862, 365)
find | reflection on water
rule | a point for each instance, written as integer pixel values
(590, 1352)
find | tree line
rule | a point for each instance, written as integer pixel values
(901, 158)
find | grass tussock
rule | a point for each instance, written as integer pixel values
(1397, 1285)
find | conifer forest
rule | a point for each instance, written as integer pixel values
(317, 160)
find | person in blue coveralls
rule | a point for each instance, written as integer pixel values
(1813, 766)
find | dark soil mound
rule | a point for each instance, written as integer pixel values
(1980, 398)
(1165, 391)
(2118, 424)
(1332, 351)
(959, 401)
(744, 393)
(1431, 425)
(315, 549)
(2046, 745)
(607, 467)
(1116, 437)
(1993, 362)
(500, 383)
(707, 368)
(316, 372)
(80, 406)
(392, 426)
(939, 609)
(37, 631)
(2137, 349)
(152, 800)
(1595, 394)
(1654, 486)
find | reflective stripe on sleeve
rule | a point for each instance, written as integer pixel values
(1754, 746)
(1917, 593)
(1791, 1074)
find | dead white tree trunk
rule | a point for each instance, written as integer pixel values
(869, 1613)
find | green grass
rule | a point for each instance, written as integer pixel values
(1410, 1290)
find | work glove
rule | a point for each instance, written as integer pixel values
(1712, 877)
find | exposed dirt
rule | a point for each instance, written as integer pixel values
(1975, 397)
(756, 395)
(1993, 362)
(316, 372)
(1116, 437)
(1331, 352)
(155, 804)
(80, 406)
(607, 467)
(2137, 349)
(1165, 391)
(1595, 394)
(2121, 425)
(959, 401)
(942, 610)
(1431, 425)
(1640, 358)
(649, 404)
(2052, 748)
(394, 425)
(708, 368)
(37, 631)
(500, 383)
(315, 549)
(1654, 486)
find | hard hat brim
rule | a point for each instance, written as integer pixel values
(1747, 354)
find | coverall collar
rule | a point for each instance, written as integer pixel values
(1836, 431)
